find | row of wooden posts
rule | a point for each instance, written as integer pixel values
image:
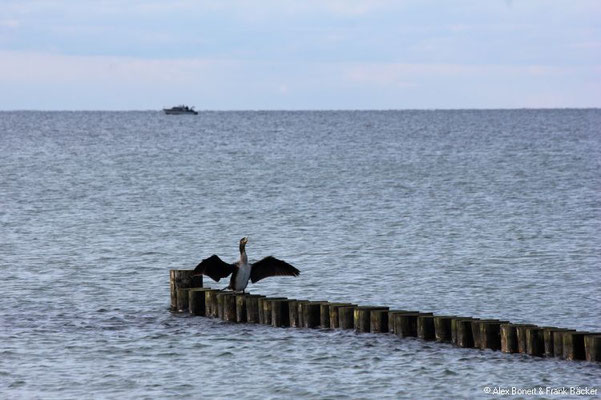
(188, 295)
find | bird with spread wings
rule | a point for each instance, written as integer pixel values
(241, 271)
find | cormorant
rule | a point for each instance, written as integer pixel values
(241, 270)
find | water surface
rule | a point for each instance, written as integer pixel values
(492, 214)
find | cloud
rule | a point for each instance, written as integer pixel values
(38, 67)
(391, 73)
(237, 8)
(592, 44)
(9, 23)
(50, 81)
(297, 54)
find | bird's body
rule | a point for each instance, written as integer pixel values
(240, 277)
(241, 271)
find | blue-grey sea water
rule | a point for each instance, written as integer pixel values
(492, 214)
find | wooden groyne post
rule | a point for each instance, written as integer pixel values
(241, 307)
(196, 301)
(378, 320)
(535, 341)
(405, 323)
(180, 279)
(265, 309)
(187, 294)
(425, 327)
(252, 308)
(229, 307)
(280, 313)
(509, 338)
(293, 313)
(362, 317)
(442, 328)
(520, 331)
(211, 303)
(592, 348)
(490, 334)
(333, 309)
(392, 317)
(346, 317)
(573, 345)
(461, 331)
(311, 313)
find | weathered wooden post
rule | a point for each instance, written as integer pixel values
(299, 308)
(490, 334)
(454, 328)
(220, 296)
(362, 317)
(558, 342)
(573, 345)
(405, 324)
(462, 329)
(280, 313)
(265, 309)
(293, 316)
(520, 331)
(553, 338)
(425, 327)
(252, 308)
(391, 316)
(548, 340)
(509, 338)
(346, 317)
(182, 299)
(226, 306)
(535, 341)
(196, 301)
(442, 328)
(262, 310)
(311, 314)
(476, 332)
(241, 307)
(592, 347)
(334, 320)
(182, 279)
(379, 320)
(324, 315)
(211, 303)
(229, 307)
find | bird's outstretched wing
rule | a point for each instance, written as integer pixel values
(214, 267)
(271, 266)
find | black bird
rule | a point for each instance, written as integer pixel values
(241, 271)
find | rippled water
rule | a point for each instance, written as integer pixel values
(480, 213)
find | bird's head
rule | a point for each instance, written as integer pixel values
(243, 242)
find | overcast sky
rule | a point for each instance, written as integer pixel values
(304, 54)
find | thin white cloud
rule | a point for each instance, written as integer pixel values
(252, 9)
(27, 67)
(47, 81)
(395, 73)
(592, 44)
(9, 23)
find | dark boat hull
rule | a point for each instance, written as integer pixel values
(179, 112)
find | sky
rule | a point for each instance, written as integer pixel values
(299, 54)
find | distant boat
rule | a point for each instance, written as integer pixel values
(178, 110)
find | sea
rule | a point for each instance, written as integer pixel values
(481, 213)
